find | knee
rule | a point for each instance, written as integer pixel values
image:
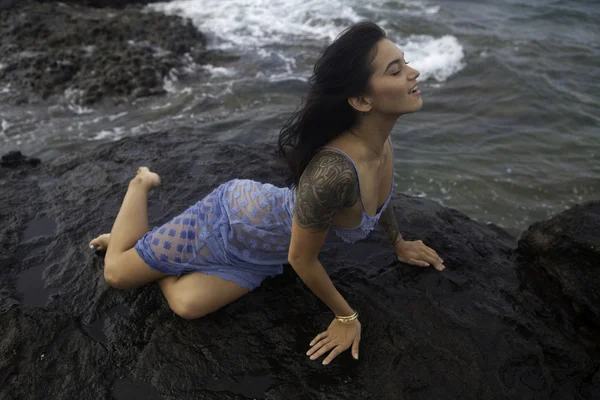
(186, 308)
(113, 277)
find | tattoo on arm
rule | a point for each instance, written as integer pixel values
(328, 184)
(388, 221)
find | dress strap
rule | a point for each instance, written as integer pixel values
(341, 151)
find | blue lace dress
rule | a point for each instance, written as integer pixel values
(240, 231)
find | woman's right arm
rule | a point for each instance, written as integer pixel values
(328, 184)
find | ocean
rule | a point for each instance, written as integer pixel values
(510, 128)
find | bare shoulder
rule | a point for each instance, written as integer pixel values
(328, 184)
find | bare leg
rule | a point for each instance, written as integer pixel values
(123, 267)
(132, 221)
(194, 295)
(189, 296)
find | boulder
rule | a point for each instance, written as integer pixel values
(560, 261)
(97, 55)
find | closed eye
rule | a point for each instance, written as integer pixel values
(405, 63)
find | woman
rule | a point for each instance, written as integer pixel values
(340, 157)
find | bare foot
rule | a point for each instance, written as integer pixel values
(147, 178)
(100, 243)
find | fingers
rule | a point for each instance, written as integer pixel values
(425, 260)
(418, 253)
(439, 266)
(335, 340)
(324, 350)
(430, 255)
(318, 346)
(419, 263)
(435, 261)
(319, 337)
(439, 263)
(355, 347)
(334, 353)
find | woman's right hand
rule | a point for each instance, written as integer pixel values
(337, 338)
(418, 253)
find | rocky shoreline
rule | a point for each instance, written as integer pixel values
(90, 55)
(507, 319)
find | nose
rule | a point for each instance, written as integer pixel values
(413, 74)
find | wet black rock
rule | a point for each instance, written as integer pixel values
(561, 262)
(482, 329)
(8, 4)
(91, 54)
(15, 159)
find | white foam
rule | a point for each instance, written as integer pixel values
(217, 72)
(117, 116)
(77, 109)
(405, 7)
(103, 135)
(437, 58)
(169, 82)
(161, 106)
(5, 125)
(72, 96)
(262, 27)
(258, 23)
(113, 135)
(432, 10)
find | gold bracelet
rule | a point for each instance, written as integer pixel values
(347, 319)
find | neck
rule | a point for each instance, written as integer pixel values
(373, 131)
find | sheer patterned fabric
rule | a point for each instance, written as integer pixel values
(240, 231)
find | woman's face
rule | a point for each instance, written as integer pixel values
(393, 83)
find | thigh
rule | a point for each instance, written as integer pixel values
(196, 294)
(128, 271)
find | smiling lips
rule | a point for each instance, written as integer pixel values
(415, 90)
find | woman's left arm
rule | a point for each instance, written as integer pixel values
(388, 222)
(417, 252)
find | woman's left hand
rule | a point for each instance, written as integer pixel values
(418, 253)
(339, 336)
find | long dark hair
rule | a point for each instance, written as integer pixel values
(342, 71)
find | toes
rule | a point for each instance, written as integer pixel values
(96, 243)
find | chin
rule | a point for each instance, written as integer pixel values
(413, 109)
(419, 106)
(416, 106)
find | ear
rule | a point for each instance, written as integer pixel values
(360, 103)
